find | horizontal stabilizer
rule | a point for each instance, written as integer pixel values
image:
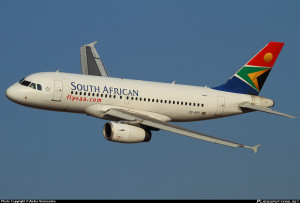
(264, 109)
(91, 63)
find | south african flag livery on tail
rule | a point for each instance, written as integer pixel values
(252, 76)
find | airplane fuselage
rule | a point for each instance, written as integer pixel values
(169, 102)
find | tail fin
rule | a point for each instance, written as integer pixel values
(252, 76)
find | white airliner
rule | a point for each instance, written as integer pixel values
(135, 108)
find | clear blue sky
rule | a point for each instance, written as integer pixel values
(58, 155)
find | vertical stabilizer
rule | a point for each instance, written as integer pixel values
(252, 76)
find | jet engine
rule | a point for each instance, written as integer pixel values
(119, 132)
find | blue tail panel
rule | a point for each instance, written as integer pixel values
(236, 85)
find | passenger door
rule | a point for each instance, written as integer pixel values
(58, 87)
(220, 106)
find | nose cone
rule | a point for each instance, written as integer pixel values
(12, 93)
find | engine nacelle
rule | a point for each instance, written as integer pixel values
(118, 132)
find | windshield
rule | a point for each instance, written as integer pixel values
(25, 83)
(30, 84)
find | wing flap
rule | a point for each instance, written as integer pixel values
(151, 122)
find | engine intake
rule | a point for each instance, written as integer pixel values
(118, 132)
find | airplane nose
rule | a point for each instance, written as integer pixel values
(11, 93)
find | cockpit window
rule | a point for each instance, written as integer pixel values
(39, 87)
(21, 80)
(25, 83)
(32, 85)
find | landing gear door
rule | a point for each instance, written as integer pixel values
(220, 106)
(58, 87)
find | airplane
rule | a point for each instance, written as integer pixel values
(135, 108)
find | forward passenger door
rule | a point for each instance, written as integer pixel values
(58, 87)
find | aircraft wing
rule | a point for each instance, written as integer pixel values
(134, 117)
(91, 63)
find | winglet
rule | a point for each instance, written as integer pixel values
(255, 148)
(92, 44)
(91, 63)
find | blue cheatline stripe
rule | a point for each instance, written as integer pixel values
(236, 85)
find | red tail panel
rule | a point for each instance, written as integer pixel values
(267, 56)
